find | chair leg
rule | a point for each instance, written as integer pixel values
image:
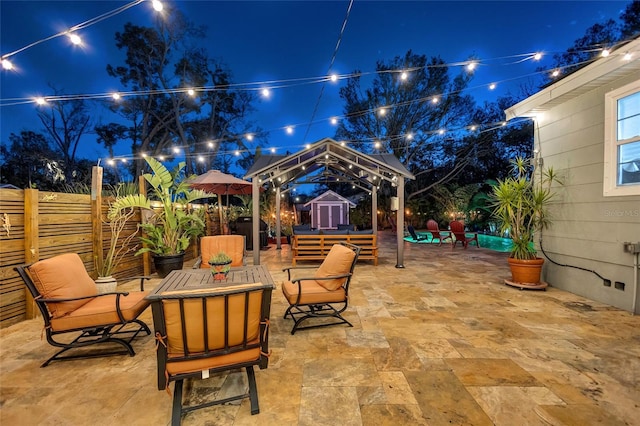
(253, 390)
(176, 411)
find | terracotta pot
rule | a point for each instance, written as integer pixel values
(526, 271)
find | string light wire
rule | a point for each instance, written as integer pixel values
(77, 27)
(333, 59)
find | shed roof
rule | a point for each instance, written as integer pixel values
(330, 196)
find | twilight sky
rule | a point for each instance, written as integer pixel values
(277, 40)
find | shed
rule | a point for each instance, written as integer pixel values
(328, 210)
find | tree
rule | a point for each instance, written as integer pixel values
(406, 116)
(30, 162)
(161, 66)
(65, 122)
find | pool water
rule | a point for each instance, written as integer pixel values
(490, 242)
(495, 243)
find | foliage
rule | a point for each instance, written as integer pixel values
(157, 60)
(106, 263)
(66, 123)
(522, 206)
(220, 258)
(171, 228)
(30, 162)
(601, 34)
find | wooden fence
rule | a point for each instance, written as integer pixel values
(37, 225)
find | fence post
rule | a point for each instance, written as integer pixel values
(31, 241)
(96, 215)
(146, 257)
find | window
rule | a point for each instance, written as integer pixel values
(622, 141)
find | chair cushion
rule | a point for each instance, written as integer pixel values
(335, 231)
(338, 262)
(362, 232)
(194, 322)
(63, 277)
(102, 311)
(307, 232)
(233, 245)
(195, 365)
(312, 292)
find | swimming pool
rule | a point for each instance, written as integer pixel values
(490, 242)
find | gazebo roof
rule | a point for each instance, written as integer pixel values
(327, 161)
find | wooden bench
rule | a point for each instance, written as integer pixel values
(316, 247)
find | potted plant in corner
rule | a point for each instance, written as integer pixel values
(521, 206)
(107, 262)
(220, 265)
(170, 228)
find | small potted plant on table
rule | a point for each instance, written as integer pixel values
(220, 265)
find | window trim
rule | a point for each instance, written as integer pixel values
(610, 186)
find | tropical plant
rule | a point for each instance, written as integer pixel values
(521, 205)
(172, 226)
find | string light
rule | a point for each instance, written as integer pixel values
(7, 64)
(157, 5)
(75, 39)
(116, 96)
(265, 93)
(605, 53)
(537, 56)
(492, 86)
(289, 130)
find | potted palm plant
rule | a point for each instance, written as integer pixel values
(169, 228)
(521, 205)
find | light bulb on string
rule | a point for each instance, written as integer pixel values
(191, 92)
(537, 56)
(265, 93)
(210, 144)
(334, 120)
(273, 150)
(115, 96)
(75, 39)
(605, 53)
(40, 101)
(249, 137)
(7, 64)
(333, 78)
(627, 56)
(157, 5)
(492, 86)
(289, 130)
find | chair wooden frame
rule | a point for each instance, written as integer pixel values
(202, 298)
(300, 311)
(460, 235)
(434, 229)
(114, 332)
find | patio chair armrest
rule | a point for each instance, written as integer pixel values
(142, 279)
(198, 262)
(291, 268)
(333, 277)
(73, 299)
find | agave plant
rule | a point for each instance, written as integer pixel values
(171, 227)
(522, 206)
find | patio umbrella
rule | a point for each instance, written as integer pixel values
(216, 182)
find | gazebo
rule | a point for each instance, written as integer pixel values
(328, 161)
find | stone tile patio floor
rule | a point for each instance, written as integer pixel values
(440, 342)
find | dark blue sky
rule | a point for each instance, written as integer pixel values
(269, 40)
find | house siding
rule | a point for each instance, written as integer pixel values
(588, 229)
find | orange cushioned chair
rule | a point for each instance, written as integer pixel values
(200, 332)
(314, 296)
(69, 302)
(232, 245)
(460, 235)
